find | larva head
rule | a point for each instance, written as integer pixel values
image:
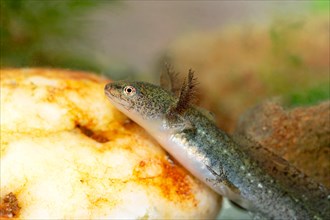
(140, 101)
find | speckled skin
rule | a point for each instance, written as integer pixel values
(267, 185)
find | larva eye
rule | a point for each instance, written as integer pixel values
(129, 90)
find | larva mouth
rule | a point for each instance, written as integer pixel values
(111, 92)
(116, 98)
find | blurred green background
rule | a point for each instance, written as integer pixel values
(129, 39)
(46, 33)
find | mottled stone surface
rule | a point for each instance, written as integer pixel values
(300, 135)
